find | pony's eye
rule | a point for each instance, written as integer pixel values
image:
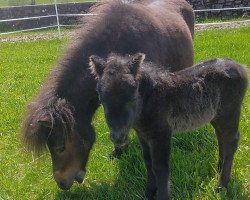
(60, 149)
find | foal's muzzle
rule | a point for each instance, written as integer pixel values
(119, 138)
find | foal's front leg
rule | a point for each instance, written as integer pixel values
(160, 148)
(151, 183)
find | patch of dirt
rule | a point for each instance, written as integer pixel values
(223, 25)
(32, 37)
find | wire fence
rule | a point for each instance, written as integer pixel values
(58, 25)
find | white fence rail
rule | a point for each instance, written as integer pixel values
(58, 25)
(46, 16)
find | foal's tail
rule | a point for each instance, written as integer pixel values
(242, 74)
(237, 72)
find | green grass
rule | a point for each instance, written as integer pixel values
(24, 66)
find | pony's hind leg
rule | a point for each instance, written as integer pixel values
(226, 129)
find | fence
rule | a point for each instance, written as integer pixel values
(58, 15)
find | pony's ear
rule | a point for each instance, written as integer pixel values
(45, 121)
(136, 61)
(96, 66)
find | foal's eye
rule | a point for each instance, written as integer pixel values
(60, 149)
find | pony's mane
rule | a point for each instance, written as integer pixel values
(102, 6)
(60, 113)
(107, 14)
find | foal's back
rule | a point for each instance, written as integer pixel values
(189, 98)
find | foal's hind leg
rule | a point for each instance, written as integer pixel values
(226, 129)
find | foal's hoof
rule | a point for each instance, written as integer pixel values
(115, 154)
(220, 189)
(118, 151)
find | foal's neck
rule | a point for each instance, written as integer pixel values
(153, 76)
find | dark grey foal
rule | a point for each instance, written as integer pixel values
(157, 103)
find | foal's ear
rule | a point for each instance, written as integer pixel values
(96, 65)
(136, 61)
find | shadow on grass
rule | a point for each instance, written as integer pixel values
(193, 172)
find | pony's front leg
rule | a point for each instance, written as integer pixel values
(160, 148)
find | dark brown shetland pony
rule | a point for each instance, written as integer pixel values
(60, 116)
(158, 104)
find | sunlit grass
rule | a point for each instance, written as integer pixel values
(23, 68)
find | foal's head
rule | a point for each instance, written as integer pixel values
(117, 88)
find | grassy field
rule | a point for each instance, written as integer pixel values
(23, 67)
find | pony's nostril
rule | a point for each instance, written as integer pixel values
(62, 183)
(79, 179)
(80, 176)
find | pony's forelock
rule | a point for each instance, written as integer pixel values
(35, 135)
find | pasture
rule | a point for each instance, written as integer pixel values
(24, 66)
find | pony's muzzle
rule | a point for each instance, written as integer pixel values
(119, 138)
(65, 183)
